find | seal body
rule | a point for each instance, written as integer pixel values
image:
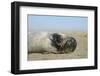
(42, 42)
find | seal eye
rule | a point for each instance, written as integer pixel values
(57, 38)
(56, 41)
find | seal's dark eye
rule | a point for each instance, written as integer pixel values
(56, 41)
(57, 38)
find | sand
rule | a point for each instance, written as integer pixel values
(81, 50)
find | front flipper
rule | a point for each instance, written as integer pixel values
(70, 44)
